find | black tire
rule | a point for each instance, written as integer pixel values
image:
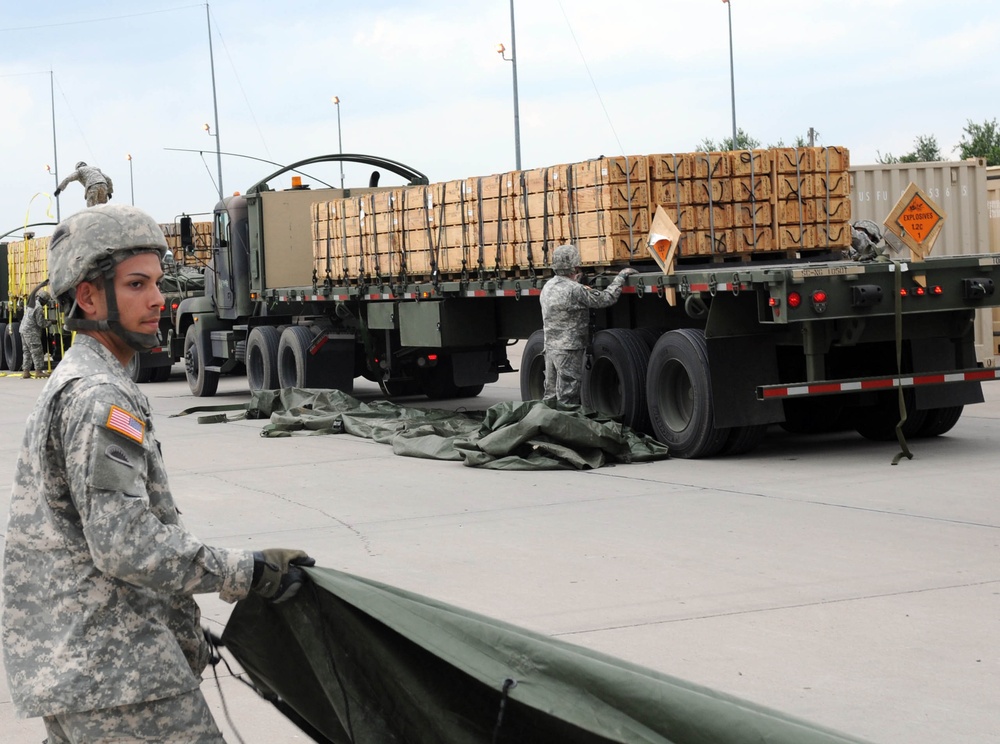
(649, 335)
(136, 370)
(533, 367)
(13, 352)
(679, 392)
(403, 388)
(940, 421)
(262, 358)
(878, 422)
(3, 344)
(160, 374)
(203, 382)
(297, 367)
(743, 439)
(818, 415)
(615, 384)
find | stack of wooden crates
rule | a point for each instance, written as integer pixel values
(202, 233)
(735, 205)
(28, 265)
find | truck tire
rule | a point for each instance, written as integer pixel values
(203, 382)
(679, 391)
(136, 370)
(615, 383)
(3, 343)
(940, 421)
(743, 439)
(327, 369)
(160, 374)
(262, 358)
(878, 422)
(13, 353)
(533, 367)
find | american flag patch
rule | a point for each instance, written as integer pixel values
(125, 423)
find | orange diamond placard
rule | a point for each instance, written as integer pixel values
(916, 220)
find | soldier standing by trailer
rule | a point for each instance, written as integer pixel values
(31, 335)
(97, 186)
(101, 634)
(566, 306)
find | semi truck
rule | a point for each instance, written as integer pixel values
(704, 354)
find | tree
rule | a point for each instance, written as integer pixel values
(925, 150)
(743, 142)
(983, 142)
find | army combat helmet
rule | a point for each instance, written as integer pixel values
(88, 245)
(565, 259)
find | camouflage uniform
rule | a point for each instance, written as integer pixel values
(31, 337)
(566, 319)
(98, 573)
(97, 186)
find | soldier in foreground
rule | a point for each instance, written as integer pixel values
(101, 634)
(97, 186)
(31, 335)
(566, 306)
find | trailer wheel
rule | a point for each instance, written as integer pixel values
(533, 367)
(331, 367)
(160, 374)
(136, 371)
(615, 384)
(3, 344)
(262, 358)
(679, 391)
(203, 382)
(13, 353)
(743, 439)
(878, 422)
(940, 421)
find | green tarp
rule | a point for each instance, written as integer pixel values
(353, 660)
(532, 435)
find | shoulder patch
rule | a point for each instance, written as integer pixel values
(126, 424)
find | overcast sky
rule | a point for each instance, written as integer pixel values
(422, 83)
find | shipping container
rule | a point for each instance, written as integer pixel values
(959, 188)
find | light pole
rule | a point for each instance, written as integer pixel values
(131, 183)
(215, 101)
(732, 77)
(218, 152)
(340, 142)
(513, 63)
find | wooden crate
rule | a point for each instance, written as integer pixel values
(751, 163)
(671, 166)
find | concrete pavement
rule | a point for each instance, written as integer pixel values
(810, 575)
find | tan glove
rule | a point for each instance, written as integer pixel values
(277, 575)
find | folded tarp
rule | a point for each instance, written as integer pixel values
(532, 435)
(353, 660)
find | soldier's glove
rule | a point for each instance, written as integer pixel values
(109, 197)
(57, 192)
(276, 573)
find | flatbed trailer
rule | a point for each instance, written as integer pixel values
(704, 358)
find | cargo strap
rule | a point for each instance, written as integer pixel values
(898, 283)
(482, 238)
(545, 218)
(527, 225)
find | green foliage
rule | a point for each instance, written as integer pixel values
(925, 150)
(743, 142)
(983, 142)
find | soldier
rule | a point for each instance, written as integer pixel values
(101, 634)
(31, 335)
(565, 319)
(97, 186)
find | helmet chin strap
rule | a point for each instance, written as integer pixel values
(112, 324)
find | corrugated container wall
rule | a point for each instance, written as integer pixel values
(958, 188)
(993, 209)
